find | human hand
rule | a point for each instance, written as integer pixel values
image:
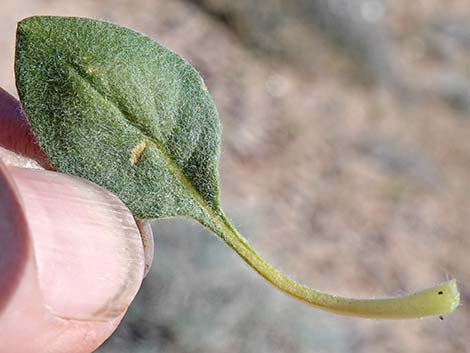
(71, 254)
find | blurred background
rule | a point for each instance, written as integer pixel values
(345, 162)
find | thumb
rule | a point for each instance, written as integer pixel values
(71, 261)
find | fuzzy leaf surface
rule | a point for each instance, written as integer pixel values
(113, 106)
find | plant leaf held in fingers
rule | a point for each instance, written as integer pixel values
(115, 107)
(112, 106)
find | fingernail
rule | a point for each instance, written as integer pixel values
(88, 250)
(148, 243)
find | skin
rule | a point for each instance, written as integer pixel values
(63, 286)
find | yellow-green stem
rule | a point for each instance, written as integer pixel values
(439, 300)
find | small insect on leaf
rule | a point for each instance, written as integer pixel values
(138, 151)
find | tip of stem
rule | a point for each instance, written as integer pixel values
(453, 294)
(439, 300)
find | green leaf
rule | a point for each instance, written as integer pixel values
(113, 106)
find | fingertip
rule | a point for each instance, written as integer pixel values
(80, 270)
(87, 246)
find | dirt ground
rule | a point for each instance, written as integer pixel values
(345, 162)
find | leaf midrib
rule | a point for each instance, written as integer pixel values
(174, 168)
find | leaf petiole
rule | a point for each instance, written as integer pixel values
(439, 300)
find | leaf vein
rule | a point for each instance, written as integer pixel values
(174, 168)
